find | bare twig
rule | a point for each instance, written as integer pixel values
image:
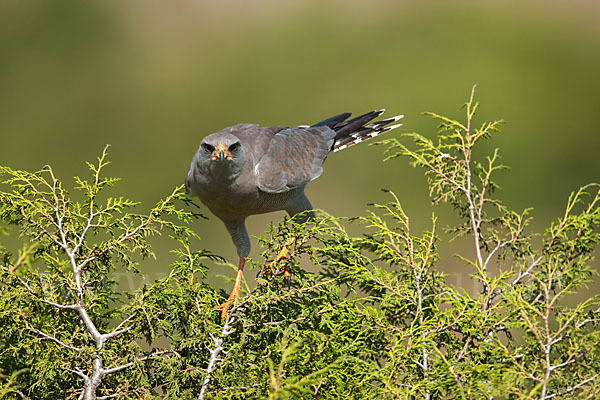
(572, 388)
(217, 350)
(129, 364)
(52, 338)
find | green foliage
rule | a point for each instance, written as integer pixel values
(363, 317)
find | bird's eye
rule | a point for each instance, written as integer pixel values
(234, 147)
(208, 148)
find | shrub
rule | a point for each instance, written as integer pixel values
(377, 319)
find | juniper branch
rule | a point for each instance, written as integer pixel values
(217, 350)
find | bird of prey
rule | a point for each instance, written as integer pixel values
(246, 169)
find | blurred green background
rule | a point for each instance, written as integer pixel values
(152, 78)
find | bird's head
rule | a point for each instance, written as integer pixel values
(221, 148)
(222, 156)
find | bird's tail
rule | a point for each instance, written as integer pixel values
(356, 130)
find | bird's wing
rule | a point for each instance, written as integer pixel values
(293, 158)
(256, 139)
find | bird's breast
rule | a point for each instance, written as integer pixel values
(226, 201)
(231, 202)
(237, 198)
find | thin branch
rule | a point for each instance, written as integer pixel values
(79, 372)
(572, 388)
(525, 273)
(111, 396)
(118, 330)
(517, 364)
(107, 371)
(128, 235)
(216, 351)
(52, 338)
(588, 320)
(36, 295)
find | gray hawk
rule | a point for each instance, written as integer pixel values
(246, 169)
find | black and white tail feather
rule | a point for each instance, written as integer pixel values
(357, 130)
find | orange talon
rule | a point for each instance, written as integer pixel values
(235, 293)
(272, 266)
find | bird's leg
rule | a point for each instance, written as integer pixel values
(235, 292)
(274, 265)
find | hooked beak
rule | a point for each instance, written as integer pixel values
(221, 153)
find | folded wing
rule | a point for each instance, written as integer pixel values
(294, 158)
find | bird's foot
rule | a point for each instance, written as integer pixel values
(224, 308)
(276, 266)
(273, 268)
(235, 293)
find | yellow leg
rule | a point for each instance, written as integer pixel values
(272, 266)
(235, 292)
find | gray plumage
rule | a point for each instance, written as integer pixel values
(245, 169)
